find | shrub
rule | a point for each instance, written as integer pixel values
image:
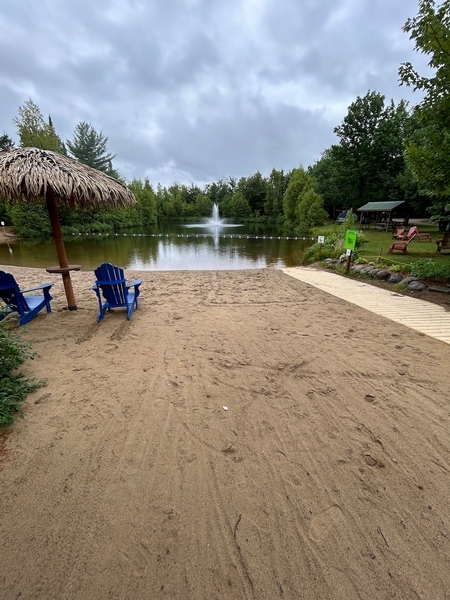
(396, 268)
(333, 247)
(428, 268)
(30, 220)
(14, 388)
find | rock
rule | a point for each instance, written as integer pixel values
(412, 283)
(417, 286)
(382, 274)
(395, 278)
(358, 268)
(370, 460)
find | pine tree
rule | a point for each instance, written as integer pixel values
(90, 148)
(6, 143)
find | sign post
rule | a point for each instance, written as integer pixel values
(349, 245)
(320, 241)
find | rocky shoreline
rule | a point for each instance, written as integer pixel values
(433, 291)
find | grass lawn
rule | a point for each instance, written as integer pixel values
(379, 242)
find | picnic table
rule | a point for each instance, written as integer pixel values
(385, 226)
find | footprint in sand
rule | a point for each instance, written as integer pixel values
(323, 523)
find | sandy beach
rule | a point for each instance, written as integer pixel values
(245, 435)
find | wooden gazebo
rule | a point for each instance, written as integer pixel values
(379, 207)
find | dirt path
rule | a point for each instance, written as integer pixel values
(243, 436)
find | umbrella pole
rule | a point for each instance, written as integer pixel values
(60, 249)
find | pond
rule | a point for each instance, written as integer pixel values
(168, 246)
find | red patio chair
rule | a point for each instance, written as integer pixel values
(399, 233)
(415, 232)
(423, 236)
(402, 246)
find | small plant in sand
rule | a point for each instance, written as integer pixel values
(14, 387)
(401, 287)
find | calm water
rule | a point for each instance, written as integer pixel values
(167, 247)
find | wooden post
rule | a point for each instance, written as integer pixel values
(60, 249)
(347, 262)
(320, 241)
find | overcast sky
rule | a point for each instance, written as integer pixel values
(199, 90)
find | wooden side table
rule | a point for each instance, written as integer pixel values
(65, 272)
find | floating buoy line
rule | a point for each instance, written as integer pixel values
(236, 236)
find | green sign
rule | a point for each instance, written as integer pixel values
(350, 240)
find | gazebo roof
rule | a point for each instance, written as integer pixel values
(379, 206)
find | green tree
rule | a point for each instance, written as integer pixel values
(6, 143)
(327, 172)
(310, 211)
(162, 201)
(276, 186)
(203, 205)
(369, 156)
(238, 207)
(29, 220)
(254, 189)
(430, 30)
(90, 148)
(174, 202)
(428, 150)
(299, 183)
(146, 201)
(191, 193)
(34, 131)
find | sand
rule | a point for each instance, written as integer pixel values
(244, 436)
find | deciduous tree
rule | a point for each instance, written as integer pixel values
(310, 212)
(146, 201)
(300, 182)
(254, 189)
(370, 150)
(276, 186)
(330, 183)
(34, 131)
(238, 207)
(428, 151)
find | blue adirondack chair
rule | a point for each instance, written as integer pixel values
(113, 291)
(15, 300)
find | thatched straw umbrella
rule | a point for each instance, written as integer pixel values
(34, 175)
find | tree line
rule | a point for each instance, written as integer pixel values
(384, 151)
(387, 152)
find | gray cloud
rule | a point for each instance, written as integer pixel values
(196, 90)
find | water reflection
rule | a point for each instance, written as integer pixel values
(167, 247)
